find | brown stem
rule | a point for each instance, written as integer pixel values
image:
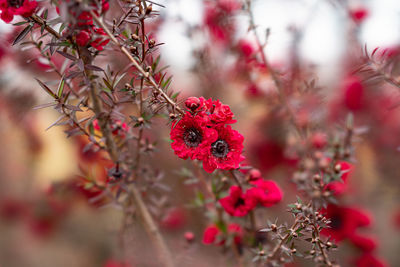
(278, 246)
(137, 65)
(277, 81)
(111, 146)
(42, 22)
(323, 252)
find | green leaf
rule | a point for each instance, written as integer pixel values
(23, 33)
(46, 88)
(61, 88)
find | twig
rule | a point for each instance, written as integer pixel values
(137, 65)
(277, 81)
(42, 22)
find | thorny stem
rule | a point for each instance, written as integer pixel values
(232, 172)
(323, 252)
(210, 194)
(148, 221)
(277, 81)
(42, 22)
(123, 49)
(139, 140)
(278, 246)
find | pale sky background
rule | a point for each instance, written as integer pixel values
(322, 43)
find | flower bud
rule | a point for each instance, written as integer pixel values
(189, 236)
(192, 103)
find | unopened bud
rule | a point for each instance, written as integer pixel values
(135, 37)
(152, 43)
(149, 9)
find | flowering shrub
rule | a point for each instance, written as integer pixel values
(295, 146)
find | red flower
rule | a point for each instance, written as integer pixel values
(366, 244)
(237, 203)
(246, 48)
(99, 42)
(340, 187)
(358, 15)
(267, 192)
(210, 234)
(353, 92)
(191, 138)
(213, 234)
(344, 221)
(11, 8)
(193, 103)
(218, 112)
(225, 152)
(218, 19)
(319, 140)
(189, 236)
(369, 260)
(174, 219)
(396, 219)
(83, 38)
(114, 263)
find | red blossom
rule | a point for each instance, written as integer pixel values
(218, 20)
(174, 219)
(210, 234)
(364, 243)
(213, 234)
(344, 221)
(237, 203)
(369, 260)
(225, 152)
(189, 236)
(193, 103)
(340, 187)
(359, 14)
(191, 138)
(83, 38)
(267, 192)
(353, 93)
(9, 9)
(218, 112)
(116, 263)
(319, 140)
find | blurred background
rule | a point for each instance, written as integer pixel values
(48, 219)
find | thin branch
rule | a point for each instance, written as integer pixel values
(137, 65)
(42, 22)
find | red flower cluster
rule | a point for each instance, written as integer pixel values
(11, 8)
(203, 134)
(85, 31)
(266, 193)
(345, 221)
(213, 235)
(218, 19)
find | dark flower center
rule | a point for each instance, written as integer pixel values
(219, 149)
(192, 137)
(15, 3)
(239, 202)
(336, 222)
